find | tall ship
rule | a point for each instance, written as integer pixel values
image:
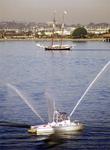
(60, 46)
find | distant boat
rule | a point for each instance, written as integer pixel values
(61, 46)
(58, 47)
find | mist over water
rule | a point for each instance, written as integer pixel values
(67, 75)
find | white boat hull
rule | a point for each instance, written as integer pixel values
(57, 128)
(69, 128)
(41, 130)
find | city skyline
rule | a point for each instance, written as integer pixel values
(78, 11)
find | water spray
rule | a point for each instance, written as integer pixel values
(51, 106)
(98, 75)
(25, 100)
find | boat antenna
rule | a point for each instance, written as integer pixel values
(98, 75)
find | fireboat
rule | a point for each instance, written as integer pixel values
(61, 123)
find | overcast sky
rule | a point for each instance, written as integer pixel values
(79, 11)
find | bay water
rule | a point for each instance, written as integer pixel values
(64, 75)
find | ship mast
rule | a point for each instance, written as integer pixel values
(62, 28)
(53, 31)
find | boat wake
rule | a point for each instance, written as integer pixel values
(39, 45)
(14, 124)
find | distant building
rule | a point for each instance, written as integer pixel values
(46, 29)
(97, 30)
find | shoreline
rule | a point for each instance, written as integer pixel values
(47, 39)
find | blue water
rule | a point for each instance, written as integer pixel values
(64, 76)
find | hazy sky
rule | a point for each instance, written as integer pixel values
(79, 11)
